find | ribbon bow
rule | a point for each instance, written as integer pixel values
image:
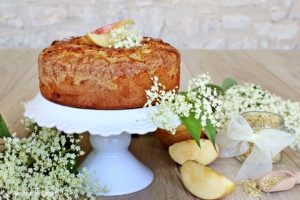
(267, 143)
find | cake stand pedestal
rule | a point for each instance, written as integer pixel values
(110, 134)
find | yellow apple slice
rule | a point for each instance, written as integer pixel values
(110, 27)
(100, 40)
(205, 182)
(189, 150)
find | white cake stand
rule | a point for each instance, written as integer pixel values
(114, 166)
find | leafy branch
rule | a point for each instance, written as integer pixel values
(193, 124)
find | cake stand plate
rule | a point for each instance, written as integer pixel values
(110, 161)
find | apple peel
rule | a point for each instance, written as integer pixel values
(113, 26)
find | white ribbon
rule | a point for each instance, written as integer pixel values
(267, 143)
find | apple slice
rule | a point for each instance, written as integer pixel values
(100, 40)
(205, 182)
(189, 150)
(110, 27)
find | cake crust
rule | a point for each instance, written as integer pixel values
(74, 72)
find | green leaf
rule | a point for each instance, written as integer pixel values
(4, 132)
(210, 132)
(183, 93)
(218, 88)
(193, 126)
(228, 83)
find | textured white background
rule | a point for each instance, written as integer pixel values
(210, 24)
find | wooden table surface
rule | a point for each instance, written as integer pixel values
(277, 71)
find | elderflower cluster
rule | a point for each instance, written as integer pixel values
(207, 104)
(124, 38)
(200, 101)
(42, 166)
(250, 97)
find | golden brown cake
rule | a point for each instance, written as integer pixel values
(75, 72)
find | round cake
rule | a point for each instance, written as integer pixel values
(77, 73)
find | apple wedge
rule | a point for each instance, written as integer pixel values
(189, 150)
(205, 182)
(100, 40)
(110, 27)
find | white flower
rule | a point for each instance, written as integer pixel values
(37, 167)
(200, 99)
(124, 38)
(250, 97)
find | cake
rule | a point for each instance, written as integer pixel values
(75, 72)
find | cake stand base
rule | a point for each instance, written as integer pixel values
(115, 167)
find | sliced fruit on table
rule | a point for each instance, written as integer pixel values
(189, 150)
(205, 182)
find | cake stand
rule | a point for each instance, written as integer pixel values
(110, 134)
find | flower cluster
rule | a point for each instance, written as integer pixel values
(251, 97)
(162, 116)
(124, 38)
(200, 102)
(42, 166)
(207, 104)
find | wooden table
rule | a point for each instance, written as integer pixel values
(277, 71)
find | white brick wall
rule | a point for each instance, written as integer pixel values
(211, 24)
